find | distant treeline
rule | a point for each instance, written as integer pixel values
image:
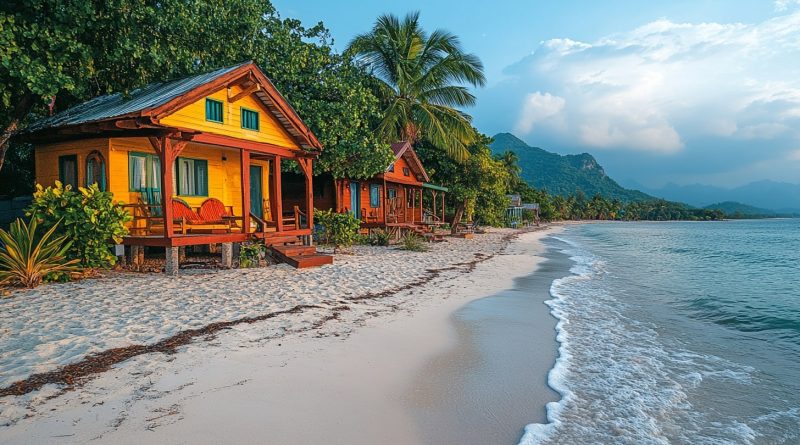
(578, 206)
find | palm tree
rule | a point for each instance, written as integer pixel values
(422, 80)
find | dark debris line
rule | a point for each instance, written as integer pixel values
(75, 374)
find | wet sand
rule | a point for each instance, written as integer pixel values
(493, 382)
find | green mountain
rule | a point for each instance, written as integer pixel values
(563, 175)
(737, 209)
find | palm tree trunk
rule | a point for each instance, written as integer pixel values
(457, 217)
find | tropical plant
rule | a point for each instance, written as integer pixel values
(88, 217)
(379, 237)
(250, 253)
(413, 242)
(422, 81)
(58, 55)
(478, 186)
(27, 260)
(339, 229)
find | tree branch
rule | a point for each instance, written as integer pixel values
(21, 110)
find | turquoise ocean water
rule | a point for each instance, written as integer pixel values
(677, 333)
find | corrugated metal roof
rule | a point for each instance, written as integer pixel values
(114, 105)
(398, 147)
(434, 187)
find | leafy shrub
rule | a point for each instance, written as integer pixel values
(90, 219)
(27, 260)
(339, 229)
(413, 242)
(379, 237)
(250, 253)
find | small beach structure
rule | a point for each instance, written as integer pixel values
(518, 212)
(400, 199)
(196, 161)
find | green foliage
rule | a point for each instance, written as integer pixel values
(89, 218)
(77, 50)
(26, 259)
(250, 253)
(422, 79)
(413, 242)
(379, 237)
(479, 184)
(339, 229)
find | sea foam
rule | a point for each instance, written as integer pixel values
(618, 382)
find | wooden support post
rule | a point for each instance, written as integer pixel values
(309, 191)
(245, 166)
(443, 201)
(385, 201)
(167, 160)
(278, 195)
(421, 210)
(433, 204)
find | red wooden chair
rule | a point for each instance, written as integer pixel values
(182, 213)
(213, 211)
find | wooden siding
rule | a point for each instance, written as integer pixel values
(193, 116)
(224, 176)
(398, 176)
(404, 215)
(46, 158)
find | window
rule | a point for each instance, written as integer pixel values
(144, 172)
(392, 193)
(406, 171)
(410, 198)
(391, 167)
(214, 110)
(68, 170)
(374, 196)
(191, 177)
(96, 170)
(249, 119)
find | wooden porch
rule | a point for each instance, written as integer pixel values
(172, 222)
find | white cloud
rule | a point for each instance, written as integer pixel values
(783, 5)
(537, 108)
(660, 86)
(794, 155)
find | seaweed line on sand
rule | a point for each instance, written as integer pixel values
(75, 374)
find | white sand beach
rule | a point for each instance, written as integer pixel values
(342, 370)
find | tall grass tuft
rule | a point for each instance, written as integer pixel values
(26, 259)
(413, 242)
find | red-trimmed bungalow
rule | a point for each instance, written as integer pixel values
(392, 199)
(195, 160)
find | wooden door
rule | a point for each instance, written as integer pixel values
(256, 191)
(355, 199)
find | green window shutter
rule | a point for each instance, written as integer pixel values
(201, 177)
(213, 110)
(249, 119)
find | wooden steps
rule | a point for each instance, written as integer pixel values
(427, 235)
(299, 256)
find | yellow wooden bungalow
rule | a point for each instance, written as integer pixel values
(196, 161)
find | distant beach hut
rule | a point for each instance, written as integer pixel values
(400, 199)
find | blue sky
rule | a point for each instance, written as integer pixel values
(678, 91)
